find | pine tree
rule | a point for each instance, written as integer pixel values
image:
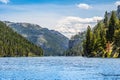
(117, 38)
(111, 27)
(106, 19)
(87, 43)
(99, 40)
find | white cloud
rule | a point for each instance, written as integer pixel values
(5, 1)
(51, 16)
(117, 3)
(84, 6)
(72, 25)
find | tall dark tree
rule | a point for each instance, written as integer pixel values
(111, 27)
(106, 19)
(87, 43)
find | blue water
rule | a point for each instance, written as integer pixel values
(59, 68)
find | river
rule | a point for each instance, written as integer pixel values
(59, 68)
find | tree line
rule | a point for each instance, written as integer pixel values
(104, 39)
(14, 45)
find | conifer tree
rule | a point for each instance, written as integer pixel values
(106, 19)
(111, 27)
(87, 43)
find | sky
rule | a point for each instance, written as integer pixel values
(66, 16)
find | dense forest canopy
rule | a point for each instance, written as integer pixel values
(14, 45)
(101, 41)
(104, 39)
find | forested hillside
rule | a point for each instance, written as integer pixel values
(104, 39)
(14, 45)
(52, 42)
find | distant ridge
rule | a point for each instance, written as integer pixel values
(52, 42)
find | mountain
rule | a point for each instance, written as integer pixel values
(75, 45)
(12, 44)
(117, 12)
(52, 42)
(70, 25)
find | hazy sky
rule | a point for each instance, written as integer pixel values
(65, 16)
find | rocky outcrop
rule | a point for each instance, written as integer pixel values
(118, 11)
(75, 45)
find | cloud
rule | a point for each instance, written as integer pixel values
(72, 25)
(5, 1)
(84, 6)
(55, 16)
(81, 20)
(117, 3)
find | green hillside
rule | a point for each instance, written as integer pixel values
(52, 42)
(14, 45)
(104, 39)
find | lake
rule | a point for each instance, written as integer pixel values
(59, 68)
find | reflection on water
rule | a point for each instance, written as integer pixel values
(59, 68)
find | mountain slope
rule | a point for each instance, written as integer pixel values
(75, 45)
(13, 44)
(51, 41)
